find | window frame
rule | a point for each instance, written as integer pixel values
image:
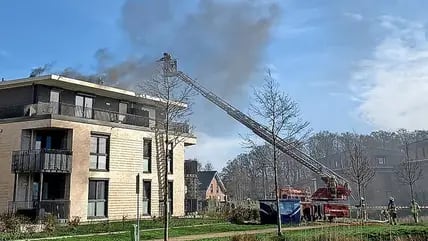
(98, 200)
(148, 157)
(170, 158)
(86, 112)
(98, 154)
(147, 199)
(381, 160)
(171, 197)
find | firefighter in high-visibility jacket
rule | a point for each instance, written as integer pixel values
(415, 209)
(392, 211)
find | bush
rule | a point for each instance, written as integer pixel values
(50, 222)
(242, 215)
(244, 237)
(74, 222)
(10, 223)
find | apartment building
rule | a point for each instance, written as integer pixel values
(73, 148)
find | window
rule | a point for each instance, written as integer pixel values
(54, 101)
(381, 160)
(84, 106)
(147, 196)
(145, 114)
(217, 189)
(212, 188)
(123, 109)
(97, 198)
(147, 156)
(170, 197)
(419, 153)
(99, 152)
(170, 158)
(54, 96)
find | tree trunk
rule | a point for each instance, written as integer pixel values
(359, 190)
(165, 195)
(264, 182)
(411, 191)
(275, 167)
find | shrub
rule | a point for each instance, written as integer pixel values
(50, 222)
(74, 222)
(11, 223)
(242, 215)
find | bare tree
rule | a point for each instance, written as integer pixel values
(208, 167)
(282, 117)
(409, 171)
(172, 117)
(359, 170)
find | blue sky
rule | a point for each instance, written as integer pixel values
(351, 65)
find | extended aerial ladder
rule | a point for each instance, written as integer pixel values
(327, 175)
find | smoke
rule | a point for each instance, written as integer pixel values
(222, 43)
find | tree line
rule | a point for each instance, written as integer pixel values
(250, 175)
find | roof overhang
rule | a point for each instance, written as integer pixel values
(87, 87)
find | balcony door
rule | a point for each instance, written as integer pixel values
(84, 106)
(54, 101)
(123, 110)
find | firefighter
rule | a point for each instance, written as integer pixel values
(384, 215)
(415, 209)
(392, 211)
(363, 209)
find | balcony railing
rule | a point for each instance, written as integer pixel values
(86, 112)
(59, 208)
(50, 108)
(25, 161)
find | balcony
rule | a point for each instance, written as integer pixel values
(53, 161)
(85, 112)
(64, 109)
(58, 208)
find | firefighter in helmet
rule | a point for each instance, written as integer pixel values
(415, 209)
(392, 211)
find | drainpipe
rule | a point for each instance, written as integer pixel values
(40, 194)
(15, 186)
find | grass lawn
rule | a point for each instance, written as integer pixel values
(175, 232)
(105, 227)
(347, 233)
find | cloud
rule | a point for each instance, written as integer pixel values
(216, 150)
(392, 84)
(354, 16)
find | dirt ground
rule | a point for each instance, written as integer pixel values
(229, 234)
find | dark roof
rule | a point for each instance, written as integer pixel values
(205, 179)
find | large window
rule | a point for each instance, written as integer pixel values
(97, 198)
(170, 158)
(123, 109)
(84, 106)
(147, 196)
(147, 156)
(99, 152)
(54, 101)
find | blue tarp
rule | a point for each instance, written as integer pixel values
(289, 209)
